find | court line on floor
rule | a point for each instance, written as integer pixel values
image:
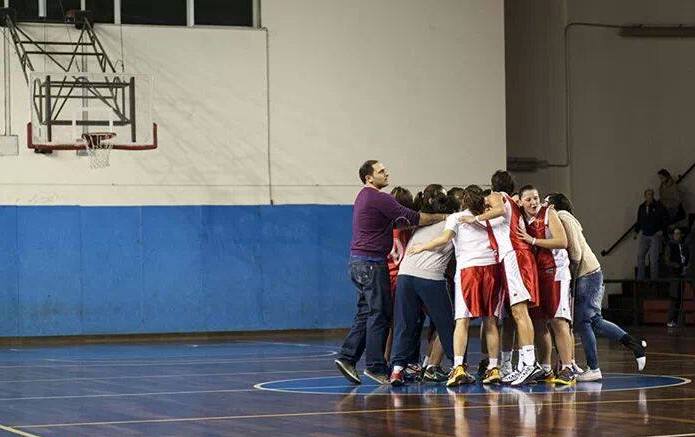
(125, 395)
(296, 390)
(186, 375)
(169, 363)
(672, 435)
(327, 413)
(231, 353)
(17, 431)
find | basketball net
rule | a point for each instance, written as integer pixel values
(99, 146)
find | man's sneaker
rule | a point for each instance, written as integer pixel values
(510, 377)
(638, 347)
(672, 324)
(348, 370)
(380, 378)
(459, 376)
(492, 376)
(566, 377)
(482, 367)
(576, 369)
(590, 375)
(435, 374)
(397, 377)
(529, 375)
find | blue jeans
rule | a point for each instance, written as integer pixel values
(370, 326)
(411, 294)
(588, 295)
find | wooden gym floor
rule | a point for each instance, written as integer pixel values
(286, 384)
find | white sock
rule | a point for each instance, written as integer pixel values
(397, 368)
(566, 366)
(492, 364)
(520, 361)
(529, 353)
(547, 367)
(425, 361)
(458, 360)
(506, 357)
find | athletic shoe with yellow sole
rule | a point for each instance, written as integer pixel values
(492, 376)
(459, 376)
(549, 377)
(566, 377)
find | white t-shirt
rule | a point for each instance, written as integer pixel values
(472, 242)
(427, 264)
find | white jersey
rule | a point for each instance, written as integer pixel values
(472, 243)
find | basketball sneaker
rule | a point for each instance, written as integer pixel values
(547, 376)
(482, 367)
(413, 372)
(397, 377)
(565, 377)
(509, 377)
(529, 374)
(492, 376)
(435, 374)
(459, 376)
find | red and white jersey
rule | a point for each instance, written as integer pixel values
(505, 230)
(474, 243)
(558, 259)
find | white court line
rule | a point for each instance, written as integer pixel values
(296, 390)
(170, 363)
(191, 359)
(672, 435)
(180, 375)
(16, 431)
(125, 395)
(231, 354)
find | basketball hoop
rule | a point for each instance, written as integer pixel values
(98, 148)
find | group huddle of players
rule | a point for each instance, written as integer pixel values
(512, 269)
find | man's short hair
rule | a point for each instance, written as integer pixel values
(648, 190)
(367, 169)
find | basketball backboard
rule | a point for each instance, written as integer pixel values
(64, 106)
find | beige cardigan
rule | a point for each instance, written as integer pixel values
(582, 258)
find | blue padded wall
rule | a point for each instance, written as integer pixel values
(70, 270)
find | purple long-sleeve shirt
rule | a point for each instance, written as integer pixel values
(373, 217)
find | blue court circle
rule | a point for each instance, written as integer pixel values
(337, 385)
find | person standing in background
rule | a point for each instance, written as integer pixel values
(651, 222)
(670, 197)
(677, 259)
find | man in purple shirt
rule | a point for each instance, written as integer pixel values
(373, 217)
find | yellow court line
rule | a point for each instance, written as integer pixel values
(16, 431)
(337, 413)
